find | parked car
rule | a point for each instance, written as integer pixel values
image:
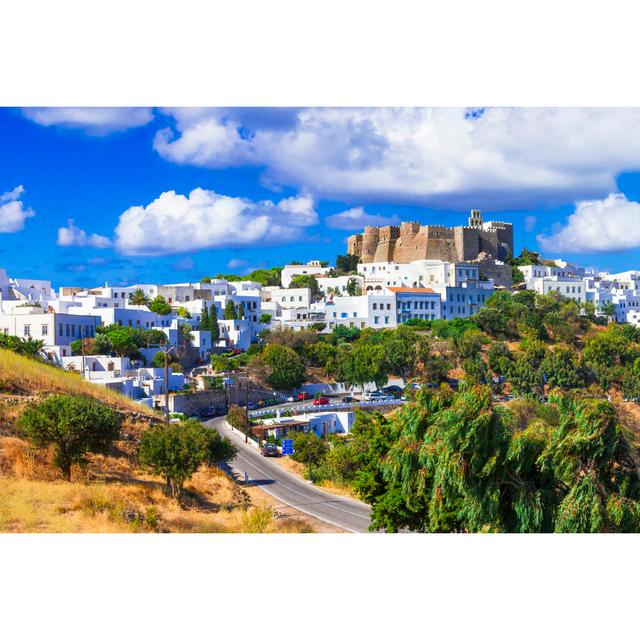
(303, 395)
(269, 451)
(236, 352)
(322, 400)
(393, 390)
(350, 400)
(372, 395)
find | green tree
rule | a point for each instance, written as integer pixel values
(230, 311)
(221, 450)
(609, 311)
(237, 418)
(241, 311)
(364, 363)
(476, 371)
(347, 264)
(401, 351)
(561, 369)
(184, 313)
(517, 276)
(175, 452)
(305, 282)
(73, 425)
(204, 318)
(286, 369)
(310, 450)
(139, 297)
(589, 310)
(213, 324)
(265, 318)
(123, 342)
(352, 287)
(499, 357)
(455, 462)
(160, 306)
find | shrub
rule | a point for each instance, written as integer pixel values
(74, 425)
(175, 451)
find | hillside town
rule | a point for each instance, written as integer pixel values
(364, 291)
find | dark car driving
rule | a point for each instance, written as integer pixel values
(269, 451)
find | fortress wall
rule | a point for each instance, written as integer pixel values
(467, 242)
(411, 241)
(370, 239)
(354, 245)
(408, 244)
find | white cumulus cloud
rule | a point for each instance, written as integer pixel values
(175, 223)
(357, 218)
(72, 236)
(13, 213)
(92, 120)
(494, 158)
(610, 224)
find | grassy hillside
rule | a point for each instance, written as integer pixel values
(20, 375)
(112, 493)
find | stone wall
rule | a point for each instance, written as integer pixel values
(412, 241)
(200, 403)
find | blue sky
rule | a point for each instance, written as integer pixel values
(172, 195)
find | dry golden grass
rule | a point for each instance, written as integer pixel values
(21, 375)
(112, 495)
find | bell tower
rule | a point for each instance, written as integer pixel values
(475, 219)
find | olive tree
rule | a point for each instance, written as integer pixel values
(73, 425)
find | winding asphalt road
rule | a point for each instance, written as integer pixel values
(341, 512)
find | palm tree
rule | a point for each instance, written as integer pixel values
(138, 297)
(30, 347)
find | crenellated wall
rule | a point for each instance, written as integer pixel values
(412, 241)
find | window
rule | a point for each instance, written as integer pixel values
(386, 319)
(61, 329)
(374, 306)
(45, 329)
(27, 329)
(66, 330)
(376, 320)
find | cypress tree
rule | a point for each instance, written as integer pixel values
(213, 324)
(230, 311)
(204, 318)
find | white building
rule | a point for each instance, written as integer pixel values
(56, 330)
(568, 287)
(416, 303)
(377, 310)
(297, 298)
(417, 274)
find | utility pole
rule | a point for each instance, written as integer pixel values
(246, 409)
(166, 351)
(82, 348)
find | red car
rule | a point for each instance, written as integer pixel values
(320, 401)
(303, 396)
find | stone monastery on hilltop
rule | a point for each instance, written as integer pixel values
(482, 242)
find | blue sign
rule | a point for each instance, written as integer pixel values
(287, 447)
